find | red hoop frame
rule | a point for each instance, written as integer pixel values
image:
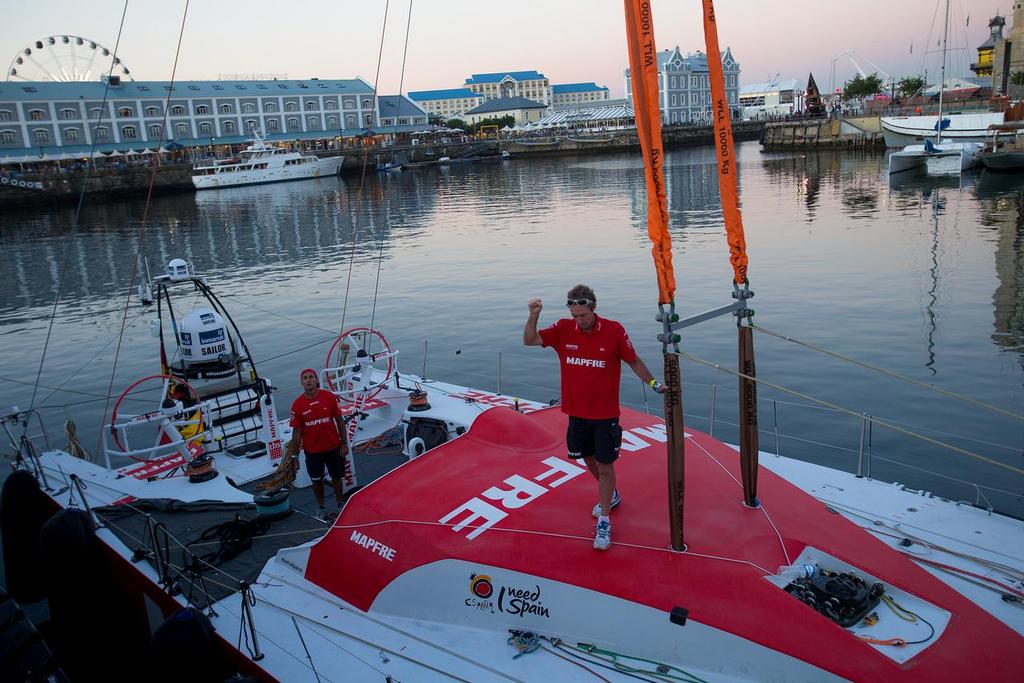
(117, 406)
(387, 349)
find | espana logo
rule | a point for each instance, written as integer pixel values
(480, 586)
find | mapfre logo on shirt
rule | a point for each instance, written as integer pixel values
(585, 362)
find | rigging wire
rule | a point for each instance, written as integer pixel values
(889, 373)
(70, 239)
(142, 226)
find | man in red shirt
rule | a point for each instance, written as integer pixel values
(589, 351)
(318, 428)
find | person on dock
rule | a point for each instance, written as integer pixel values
(319, 428)
(590, 349)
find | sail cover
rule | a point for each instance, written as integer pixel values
(643, 70)
(725, 150)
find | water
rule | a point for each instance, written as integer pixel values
(923, 279)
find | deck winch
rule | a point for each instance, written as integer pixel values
(843, 597)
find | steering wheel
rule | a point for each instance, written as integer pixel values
(188, 426)
(360, 361)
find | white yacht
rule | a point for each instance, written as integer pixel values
(944, 158)
(263, 163)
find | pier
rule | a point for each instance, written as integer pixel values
(863, 133)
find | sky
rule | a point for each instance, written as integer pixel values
(448, 40)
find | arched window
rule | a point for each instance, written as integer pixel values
(152, 111)
(205, 129)
(251, 124)
(182, 130)
(177, 110)
(332, 122)
(310, 105)
(330, 104)
(350, 121)
(41, 136)
(290, 106)
(273, 125)
(69, 113)
(155, 131)
(226, 109)
(6, 115)
(202, 109)
(293, 122)
(129, 133)
(71, 135)
(125, 113)
(312, 123)
(36, 114)
(101, 134)
(228, 127)
(7, 137)
(248, 108)
(269, 106)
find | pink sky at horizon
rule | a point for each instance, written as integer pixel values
(450, 39)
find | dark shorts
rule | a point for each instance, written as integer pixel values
(316, 462)
(599, 439)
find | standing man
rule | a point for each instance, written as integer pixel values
(589, 350)
(318, 428)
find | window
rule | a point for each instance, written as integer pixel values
(202, 109)
(282, 86)
(312, 123)
(29, 89)
(248, 108)
(182, 130)
(6, 137)
(205, 129)
(155, 131)
(36, 114)
(332, 121)
(69, 113)
(6, 115)
(125, 113)
(71, 135)
(101, 134)
(193, 87)
(177, 110)
(310, 105)
(228, 127)
(269, 106)
(367, 103)
(303, 85)
(226, 109)
(293, 122)
(261, 87)
(41, 136)
(129, 133)
(290, 106)
(218, 87)
(369, 119)
(251, 124)
(152, 111)
(273, 125)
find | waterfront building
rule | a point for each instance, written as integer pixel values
(50, 118)
(684, 85)
(398, 112)
(522, 109)
(769, 100)
(452, 103)
(529, 84)
(986, 51)
(576, 93)
(1008, 52)
(588, 117)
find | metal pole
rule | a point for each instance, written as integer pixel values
(871, 425)
(748, 415)
(775, 421)
(676, 449)
(423, 375)
(714, 393)
(860, 450)
(499, 373)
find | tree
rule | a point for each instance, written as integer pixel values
(457, 123)
(862, 86)
(500, 122)
(910, 86)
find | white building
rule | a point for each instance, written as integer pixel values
(521, 108)
(529, 84)
(452, 103)
(770, 100)
(684, 85)
(577, 93)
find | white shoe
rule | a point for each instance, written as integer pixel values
(615, 502)
(603, 538)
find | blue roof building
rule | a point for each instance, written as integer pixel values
(530, 84)
(522, 109)
(452, 103)
(576, 93)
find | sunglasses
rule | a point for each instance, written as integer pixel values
(578, 302)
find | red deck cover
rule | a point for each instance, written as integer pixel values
(506, 449)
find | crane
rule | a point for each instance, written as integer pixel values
(853, 57)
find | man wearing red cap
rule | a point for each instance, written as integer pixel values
(317, 428)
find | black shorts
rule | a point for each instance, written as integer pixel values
(316, 462)
(599, 439)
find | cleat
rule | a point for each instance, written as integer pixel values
(603, 538)
(615, 502)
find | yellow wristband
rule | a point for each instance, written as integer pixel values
(653, 383)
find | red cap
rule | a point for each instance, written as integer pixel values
(310, 370)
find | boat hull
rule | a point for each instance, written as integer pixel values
(900, 131)
(315, 169)
(1006, 162)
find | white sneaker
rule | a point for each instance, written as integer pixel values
(615, 501)
(603, 538)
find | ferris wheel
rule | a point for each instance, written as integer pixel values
(65, 59)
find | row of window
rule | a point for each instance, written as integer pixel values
(176, 110)
(42, 136)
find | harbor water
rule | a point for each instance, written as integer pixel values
(922, 278)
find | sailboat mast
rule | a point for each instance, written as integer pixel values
(942, 77)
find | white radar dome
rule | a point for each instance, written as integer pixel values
(203, 336)
(177, 269)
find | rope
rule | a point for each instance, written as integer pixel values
(69, 240)
(142, 231)
(884, 423)
(890, 373)
(524, 642)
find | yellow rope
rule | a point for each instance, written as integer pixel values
(890, 373)
(890, 425)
